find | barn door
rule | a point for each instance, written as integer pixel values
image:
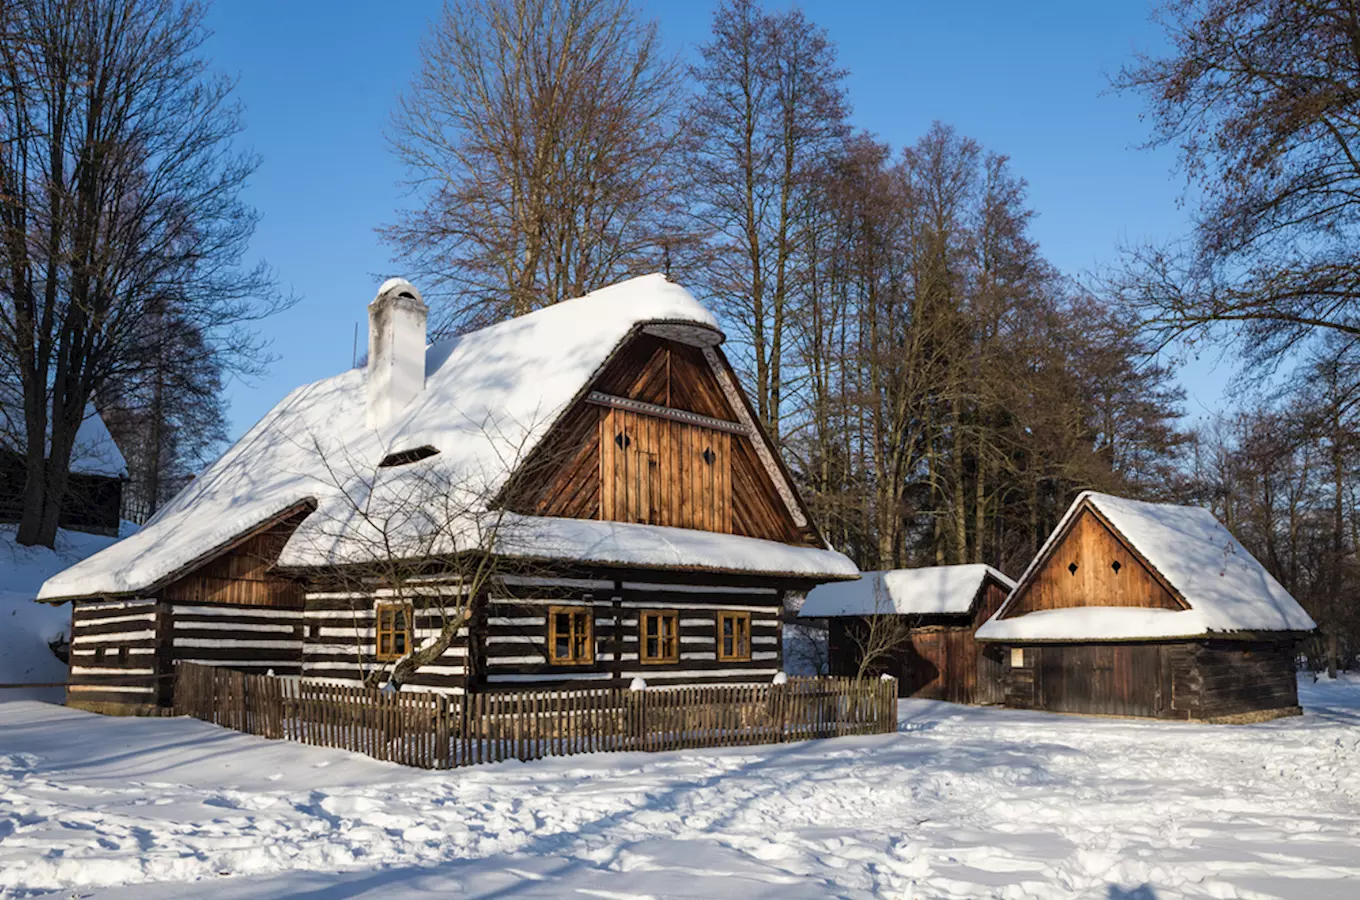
(656, 471)
(630, 461)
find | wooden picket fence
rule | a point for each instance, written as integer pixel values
(438, 731)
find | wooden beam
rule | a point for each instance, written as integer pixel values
(665, 412)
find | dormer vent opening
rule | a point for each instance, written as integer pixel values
(406, 457)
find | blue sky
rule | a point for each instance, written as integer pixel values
(319, 81)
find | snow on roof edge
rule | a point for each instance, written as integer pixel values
(1162, 534)
(926, 590)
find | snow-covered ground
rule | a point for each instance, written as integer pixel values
(27, 628)
(961, 802)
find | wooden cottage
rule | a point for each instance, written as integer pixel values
(599, 455)
(1148, 609)
(940, 608)
(94, 488)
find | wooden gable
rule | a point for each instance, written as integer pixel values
(656, 440)
(241, 573)
(1090, 564)
(990, 597)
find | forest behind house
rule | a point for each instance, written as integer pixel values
(940, 390)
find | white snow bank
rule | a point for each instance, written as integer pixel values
(489, 397)
(28, 628)
(932, 590)
(1226, 588)
(962, 802)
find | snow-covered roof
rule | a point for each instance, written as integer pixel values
(1225, 588)
(934, 590)
(489, 397)
(94, 452)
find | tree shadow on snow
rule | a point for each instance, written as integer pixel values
(1142, 892)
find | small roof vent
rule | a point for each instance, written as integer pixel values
(406, 457)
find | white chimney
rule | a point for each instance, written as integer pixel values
(396, 350)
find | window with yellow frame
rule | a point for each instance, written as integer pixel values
(734, 636)
(571, 635)
(393, 630)
(659, 636)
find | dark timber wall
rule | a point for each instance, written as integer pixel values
(943, 661)
(91, 503)
(1174, 680)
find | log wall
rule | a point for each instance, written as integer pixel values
(340, 643)
(115, 653)
(510, 638)
(1203, 680)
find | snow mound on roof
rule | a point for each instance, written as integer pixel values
(932, 590)
(1226, 588)
(94, 451)
(490, 396)
(625, 543)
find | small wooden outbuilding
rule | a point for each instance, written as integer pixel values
(940, 606)
(1148, 609)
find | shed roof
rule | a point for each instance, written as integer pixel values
(490, 396)
(933, 590)
(94, 451)
(1225, 588)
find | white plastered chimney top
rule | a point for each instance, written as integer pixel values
(396, 349)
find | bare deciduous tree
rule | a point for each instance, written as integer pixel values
(769, 115)
(539, 136)
(120, 211)
(880, 637)
(1262, 98)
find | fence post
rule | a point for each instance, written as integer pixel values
(441, 732)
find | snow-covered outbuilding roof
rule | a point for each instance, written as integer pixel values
(489, 397)
(94, 451)
(933, 590)
(1223, 587)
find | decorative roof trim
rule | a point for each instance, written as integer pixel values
(665, 412)
(762, 448)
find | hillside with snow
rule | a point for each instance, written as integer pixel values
(27, 629)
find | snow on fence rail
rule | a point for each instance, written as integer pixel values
(437, 731)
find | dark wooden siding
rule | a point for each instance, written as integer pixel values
(1178, 680)
(91, 502)
(943, 661)
(1106, 573)
(241, 575)
(1228, 678)
(116, 653)
(510, 641)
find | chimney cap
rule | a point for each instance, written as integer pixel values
(401, 288)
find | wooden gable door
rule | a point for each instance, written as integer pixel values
(656, 471)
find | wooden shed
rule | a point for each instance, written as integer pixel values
(94, 488)
(1147, 609)
(647, 526)
(940, 606)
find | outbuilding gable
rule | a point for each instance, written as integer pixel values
(1091, 564)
